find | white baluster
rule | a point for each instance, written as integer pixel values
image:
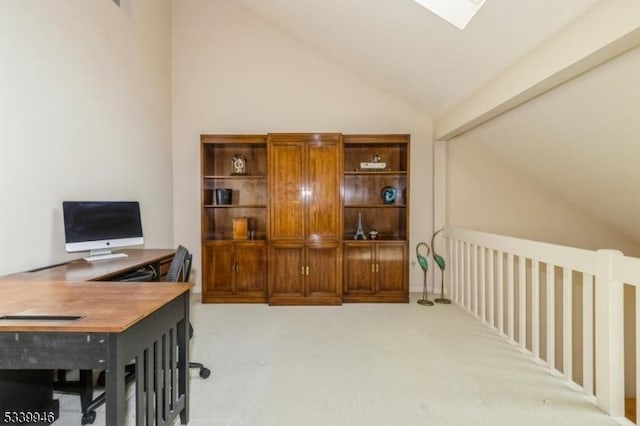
(551, 323)
(587, 333)
(567, 330)
(474, 274)
(500, 301)
(535, 308)
(482, 271)
(522, 300)
(510, 297)
(492, 285)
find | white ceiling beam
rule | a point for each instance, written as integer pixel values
(605, 31)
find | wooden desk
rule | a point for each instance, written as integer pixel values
(101, 270)
(117, 322)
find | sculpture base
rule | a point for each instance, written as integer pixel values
(425, 302)
(443, 300)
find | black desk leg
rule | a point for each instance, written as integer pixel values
(115, 386)
(183, 357)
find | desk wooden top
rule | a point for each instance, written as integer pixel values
(102, 306)
(101, 270)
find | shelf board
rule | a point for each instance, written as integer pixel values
(374, 205)
(382, 173)
(235, 206)
(384, 239)
(235, 177)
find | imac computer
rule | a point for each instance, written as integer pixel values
(99, 226)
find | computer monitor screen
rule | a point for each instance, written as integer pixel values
(99, 226)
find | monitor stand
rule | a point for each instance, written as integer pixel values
(103, 254)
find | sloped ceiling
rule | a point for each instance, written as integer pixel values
(581, 141)
(415, 54)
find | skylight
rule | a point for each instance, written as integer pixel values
(456, 12)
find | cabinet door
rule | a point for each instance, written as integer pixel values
(218, 268)
(286, 270)
(251, 268)
(323, 270)
(391, 268)
(322, 194)
(358, 269)
(286, 190)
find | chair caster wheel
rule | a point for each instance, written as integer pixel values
(88, 418)
(205, 372)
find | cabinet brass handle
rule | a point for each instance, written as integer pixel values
(302, 269)
(373, 267)
(307, 270)
(237, 267)
(377, 267)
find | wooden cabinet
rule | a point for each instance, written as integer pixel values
(235, 271)
(306, 218)
(304, 195)
(376, 202)
(304, 273)
(279, 211)
(375, 271)
(234, 218)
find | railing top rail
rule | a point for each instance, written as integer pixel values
(626, 270)
(568, 257)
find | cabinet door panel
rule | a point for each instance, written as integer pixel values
(358, 273)
(287, 181)
(392, 267)
(324, 266)
(286, 262)
(217, 267)
(251, 268)
(323, 191)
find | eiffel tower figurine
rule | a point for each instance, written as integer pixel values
(359, 235)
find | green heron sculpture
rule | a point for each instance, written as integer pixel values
(441, 264)
(422, 260)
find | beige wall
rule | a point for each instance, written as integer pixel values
(562, 168)
(85, 114)
(234, 72)
(487, 195)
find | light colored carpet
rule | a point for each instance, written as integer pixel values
(365, 364)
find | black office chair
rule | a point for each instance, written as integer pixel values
(181, 268)
(179, 271)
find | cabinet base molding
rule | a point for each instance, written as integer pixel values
(234, 299)
(376, 299)
(308, 301)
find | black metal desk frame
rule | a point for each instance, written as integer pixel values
(158, 342)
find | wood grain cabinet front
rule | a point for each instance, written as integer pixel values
(304, 192)
(375, 272)
(304, 274)
(234, 272)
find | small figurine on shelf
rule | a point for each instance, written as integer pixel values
(359, 235)
(239, 165)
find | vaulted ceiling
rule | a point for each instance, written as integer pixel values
(413, 53)
(580, 142)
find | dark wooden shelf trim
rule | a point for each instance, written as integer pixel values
(384, 173)
(374, 206)
(236, 177)
(235, 206)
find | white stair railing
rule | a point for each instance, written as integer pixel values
(499, 280)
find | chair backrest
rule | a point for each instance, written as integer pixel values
(180, 268)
